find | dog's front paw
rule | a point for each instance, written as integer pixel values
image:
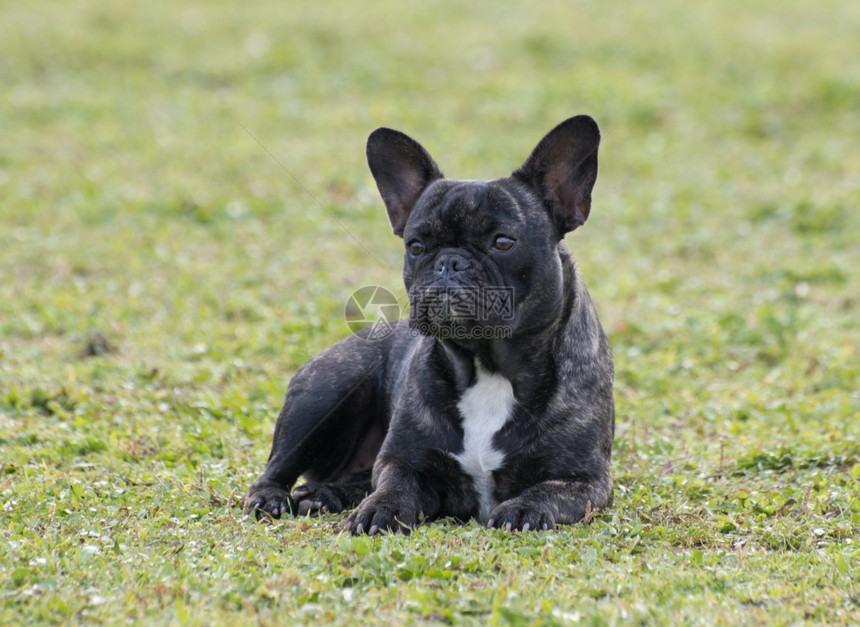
(319, 498)
(267, 501)
(520, 515)
(384, 512)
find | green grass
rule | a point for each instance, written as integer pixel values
(183, 191)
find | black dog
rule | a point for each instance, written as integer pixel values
(494, 400)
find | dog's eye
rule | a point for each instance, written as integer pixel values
(503, 243)
(415, 247)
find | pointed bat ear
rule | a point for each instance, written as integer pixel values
(402, 169)
(562, 170)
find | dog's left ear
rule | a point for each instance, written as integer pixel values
(402, 169)
(562, 170)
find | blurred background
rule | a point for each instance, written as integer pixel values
(185, 210)
(184, 185)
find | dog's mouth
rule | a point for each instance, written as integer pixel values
(460, 312)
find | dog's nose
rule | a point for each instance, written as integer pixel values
(450, 263)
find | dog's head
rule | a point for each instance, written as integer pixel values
(482, 257)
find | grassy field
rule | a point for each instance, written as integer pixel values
(185, 210)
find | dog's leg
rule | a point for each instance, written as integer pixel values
(398, 503)
(329, 429)
(549, 503)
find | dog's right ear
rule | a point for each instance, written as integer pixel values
(402, 169)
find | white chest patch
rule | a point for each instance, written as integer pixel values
(485, 407)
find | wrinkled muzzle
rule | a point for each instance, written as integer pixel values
(461, 312)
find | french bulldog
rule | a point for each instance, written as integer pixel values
(493, 400)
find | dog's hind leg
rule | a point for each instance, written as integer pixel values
(330, 429)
